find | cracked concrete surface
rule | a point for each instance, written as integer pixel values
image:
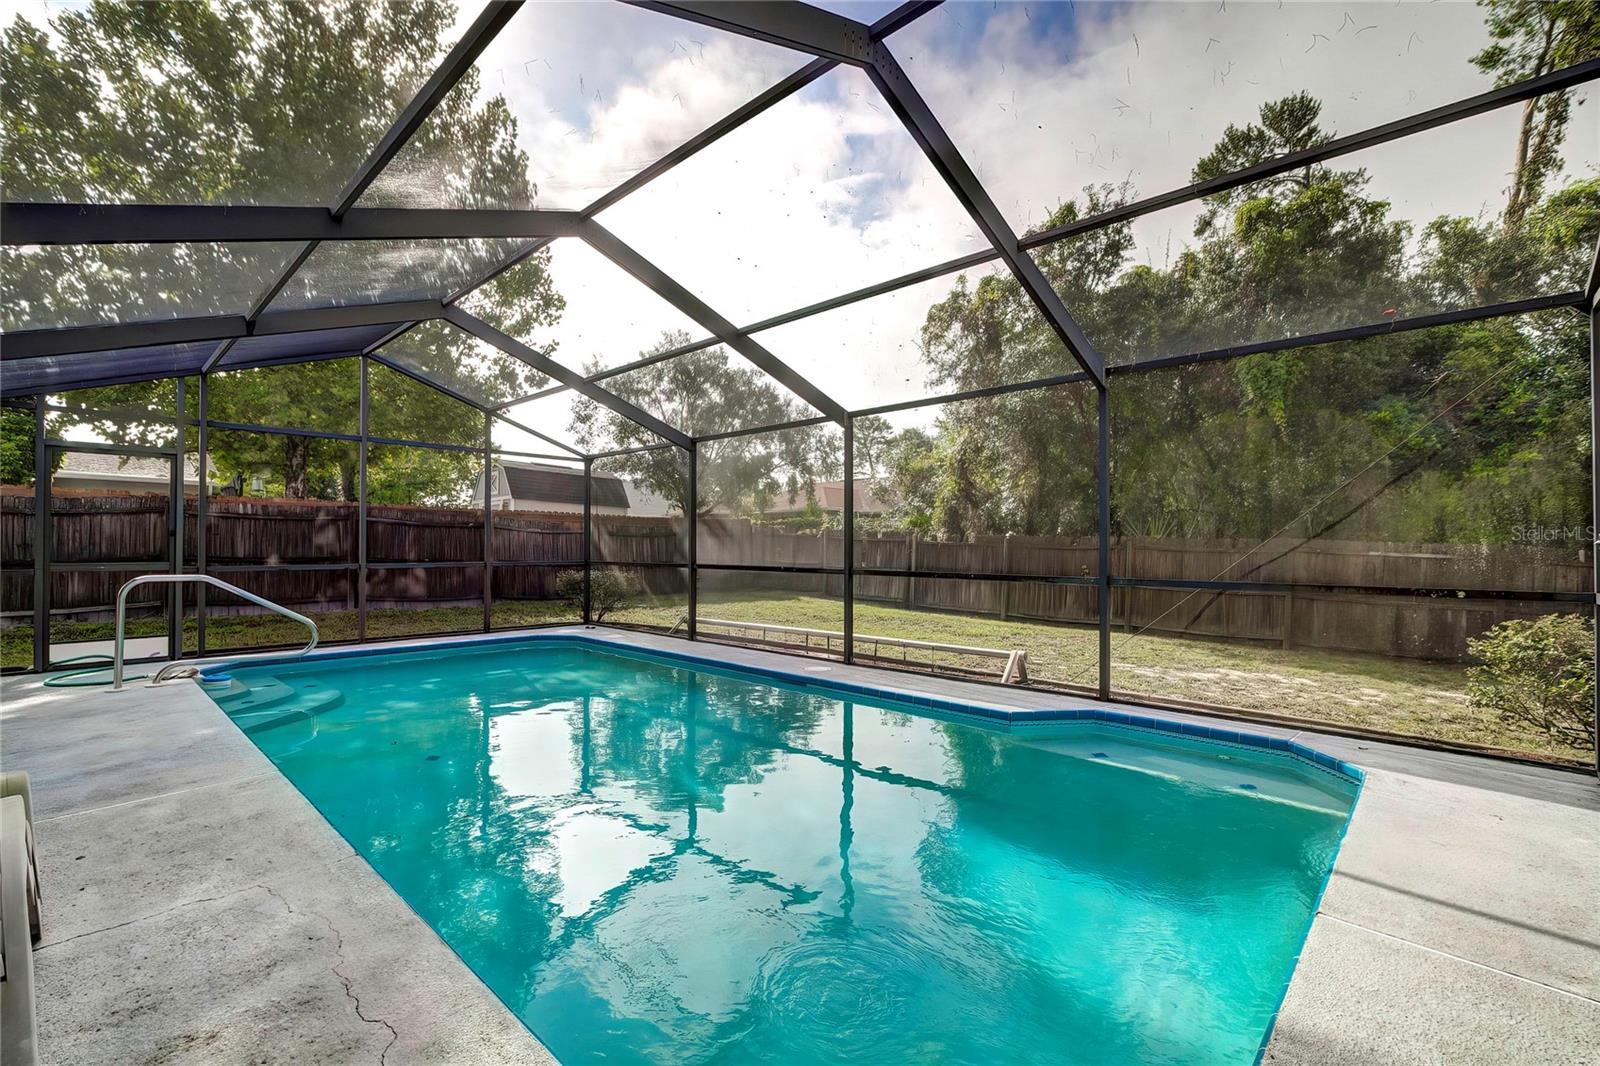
(199, 910)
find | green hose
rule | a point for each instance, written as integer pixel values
(66, 680)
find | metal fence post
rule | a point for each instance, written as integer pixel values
(849, 540)
(488, 522)
(202, 509)
(41, 538)
(1103, 522)
(361, 509)
(692, 513)
(1594, 478)
(588, 540)
(175, 521)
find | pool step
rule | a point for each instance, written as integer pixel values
(270, 703)
(261, 695)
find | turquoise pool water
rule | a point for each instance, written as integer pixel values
(656, 864)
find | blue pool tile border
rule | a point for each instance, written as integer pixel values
(1193, 730)
(1305, 934)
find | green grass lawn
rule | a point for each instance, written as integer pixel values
(1369, 691)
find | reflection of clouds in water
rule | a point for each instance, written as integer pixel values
(591, 853)
(531, 753)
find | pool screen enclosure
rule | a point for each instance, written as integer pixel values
(411, 255)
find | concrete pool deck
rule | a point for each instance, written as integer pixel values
(198, 909)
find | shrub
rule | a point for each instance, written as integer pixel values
(1538, 672)
(609, 590)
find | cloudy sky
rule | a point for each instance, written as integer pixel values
(826, 192)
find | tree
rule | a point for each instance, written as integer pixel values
(249, 101)
(16, 446)
(703, 393)
(1531, 38)
(872, 436)
(1291, 124)
(1454, 433)
(608, 591)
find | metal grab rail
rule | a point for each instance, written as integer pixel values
(204, 579)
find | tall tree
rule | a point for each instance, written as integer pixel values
(1450, 434)
(710, 392)
(253, 101)
(1531, 38)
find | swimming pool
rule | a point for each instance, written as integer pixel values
(654, 859)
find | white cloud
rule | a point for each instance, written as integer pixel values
(609, 317)
(822, 193)
(601, 91)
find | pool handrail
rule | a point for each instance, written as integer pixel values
(203, 579)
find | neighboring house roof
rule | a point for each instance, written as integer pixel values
(871, 498)
(645, 503)
(552, 484)
(106, 466)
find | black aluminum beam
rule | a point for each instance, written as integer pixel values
(975, 394)
(822, 33)
(716, 131)
(1594, 481)
(618, 371)
(782, 22)
(1471, 107)
(455, 64)
(1555, 81)
(889, 23)
(543, 363)
(42, 223)
(655, 279)
(1308, 340)
(514, 424)
(1351, 333)
(422, 379)
(749, 431)
(894, 20)
(1591, 290)
(919, 119)
(28, 344)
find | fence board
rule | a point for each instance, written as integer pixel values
(90, 526)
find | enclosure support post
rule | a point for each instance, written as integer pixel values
(1594, 479)
(175, 518)
(588, 539)
(488, 522)
(849, 516)
(202, 507)
(1103, 522)
(41, 538)
(361, 511)
(691, 510)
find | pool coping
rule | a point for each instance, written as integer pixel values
(1351, 773)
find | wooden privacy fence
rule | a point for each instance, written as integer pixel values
(89, 526)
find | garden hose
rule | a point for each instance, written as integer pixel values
(66, 680)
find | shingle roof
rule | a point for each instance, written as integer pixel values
(554, 485)
(129, 466)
